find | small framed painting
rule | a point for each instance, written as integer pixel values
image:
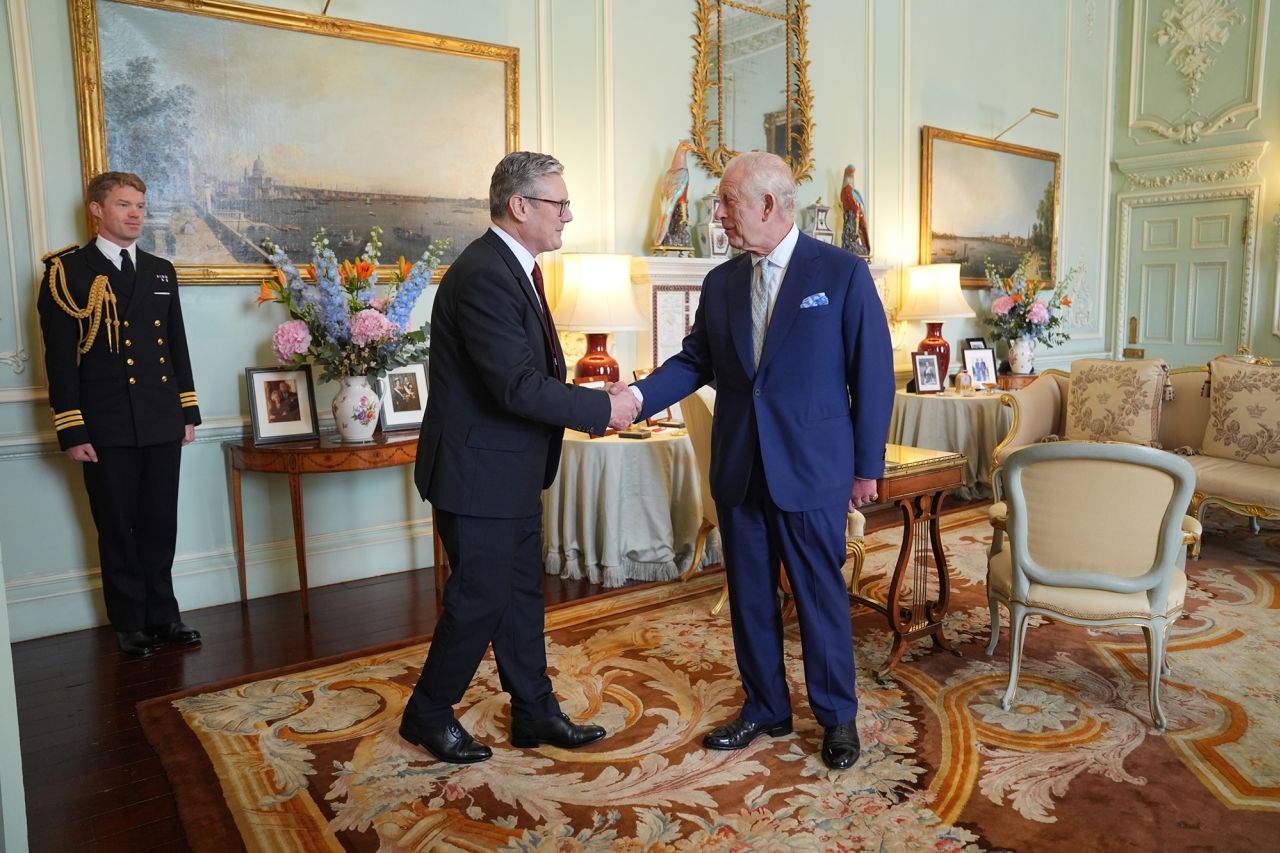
(663, 417)
(924, 367)
(404, 397)
(981, 365)
(975, 343)
(282, 403)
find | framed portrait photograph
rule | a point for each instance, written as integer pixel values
(659, 418)
(205, 102)
(282, 403)
(924, 368)
(975, 343)
(404, 397)
(983, 199)
(981, 365)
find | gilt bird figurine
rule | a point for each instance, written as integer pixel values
(672, 233)
(854, 235)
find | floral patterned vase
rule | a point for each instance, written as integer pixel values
(355, 409)
(1022, 355)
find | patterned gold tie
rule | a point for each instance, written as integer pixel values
(759, 307)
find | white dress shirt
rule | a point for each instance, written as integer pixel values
(112, 251)
(523, 256)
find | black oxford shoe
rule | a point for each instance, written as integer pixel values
(558, 731)
(135, 644)
(840, 746)
(450, 742)
(741, 732)
(175, 634)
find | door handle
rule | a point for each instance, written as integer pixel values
(1133, 330)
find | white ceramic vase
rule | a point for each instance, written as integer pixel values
(355, 409)
(1022, 355)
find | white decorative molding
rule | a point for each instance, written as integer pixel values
(1090, 15)
(608, 192)
(1251, 193)
(1221, 165)
(1191, 31)
(546, 100)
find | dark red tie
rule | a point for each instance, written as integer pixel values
(546, 315)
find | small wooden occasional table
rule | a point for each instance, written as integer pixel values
(313, 456)
(916, 480)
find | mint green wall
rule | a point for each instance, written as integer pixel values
(605, 86)
(13, 813)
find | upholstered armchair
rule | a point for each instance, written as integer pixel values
(698, 409)
(1072, 557)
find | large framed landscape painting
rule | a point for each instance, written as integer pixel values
(982, 199)
(249, 123)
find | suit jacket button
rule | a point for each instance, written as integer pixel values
(133, 380)
(757, 392)
(157, 323)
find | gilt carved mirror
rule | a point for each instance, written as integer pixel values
(750, 82)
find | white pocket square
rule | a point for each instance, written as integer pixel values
(814, 300)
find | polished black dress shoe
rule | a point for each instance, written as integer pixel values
(558, 731)
(840, 746)
(740, 732)
(135, 644)
(450, 742)
(175, 633)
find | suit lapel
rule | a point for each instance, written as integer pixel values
(794, 288)
(522, 282)
(739, 300)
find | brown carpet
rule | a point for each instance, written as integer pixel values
(309, 759)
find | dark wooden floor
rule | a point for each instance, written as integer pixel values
(92, 780)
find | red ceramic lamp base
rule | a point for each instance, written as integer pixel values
(597, 362)
(937, 345)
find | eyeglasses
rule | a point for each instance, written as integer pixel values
(564, 205)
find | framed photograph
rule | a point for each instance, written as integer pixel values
(208, 102)
(282, 403)
(924, 367)
(664, 416)
(404, 397)
(975, 343)
(984, 199)
(981, 365)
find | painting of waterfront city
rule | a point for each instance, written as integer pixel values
(245, 133)
(985, 200)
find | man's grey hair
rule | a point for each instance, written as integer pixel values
(767, 174)
(518, 174)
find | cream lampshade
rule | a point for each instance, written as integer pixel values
(933, 295)
(597, 300)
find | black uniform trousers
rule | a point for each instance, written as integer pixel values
(494, 595)
(133, 494)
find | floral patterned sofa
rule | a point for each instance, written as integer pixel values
(1224, 417)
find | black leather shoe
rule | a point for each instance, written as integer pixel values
(741, 732)
(840, 746)
(450, 742)
(175, 633)
(135, 644)
(558, 731)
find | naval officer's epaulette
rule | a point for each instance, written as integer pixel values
(47, 257)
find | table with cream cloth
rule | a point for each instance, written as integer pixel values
(969, 425)
(624, 509)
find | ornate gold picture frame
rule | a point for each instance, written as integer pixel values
(250, 123)
(984, 199)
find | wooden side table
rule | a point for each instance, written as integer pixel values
(322, 456)
(1015, 381)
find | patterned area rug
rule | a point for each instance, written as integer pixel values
(310, 759)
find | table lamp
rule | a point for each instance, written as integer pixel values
(597, 300)
(933, 295)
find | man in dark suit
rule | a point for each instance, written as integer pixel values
(124, 405)
(490, 444)
(794, 336)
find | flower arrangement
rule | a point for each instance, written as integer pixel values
(1018, 309)
(336, 316)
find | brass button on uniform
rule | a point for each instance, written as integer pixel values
(159, 342)
(162, 359)
(157, 324)
(125, 324)
(164, 378)
(129, 361)
(128, 342)
(133, 380)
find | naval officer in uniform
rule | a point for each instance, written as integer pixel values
(124, 405)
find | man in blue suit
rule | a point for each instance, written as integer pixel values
(794, 336)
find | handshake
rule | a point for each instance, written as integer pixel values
(623, 405)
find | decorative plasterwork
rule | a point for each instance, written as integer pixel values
(1223, 165)
(1188, 33)
(1193, 31)
(1250, 192)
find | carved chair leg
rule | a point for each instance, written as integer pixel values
(699, 549)
(724, 596)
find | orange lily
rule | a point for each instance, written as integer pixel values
(267, 292)
(346, 271)
(363, 269)
(1017, 297)
(311, 271)
(1065, 302)
(404, 267)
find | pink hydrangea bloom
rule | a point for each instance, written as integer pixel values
(378, 303)
(1001, 306)
(371, 326)
(1038, 313)
(290, 339)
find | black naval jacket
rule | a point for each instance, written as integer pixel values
(140, 394)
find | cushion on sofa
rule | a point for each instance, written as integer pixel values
(1244, 412)
(1116, 400)
(1238, 482)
